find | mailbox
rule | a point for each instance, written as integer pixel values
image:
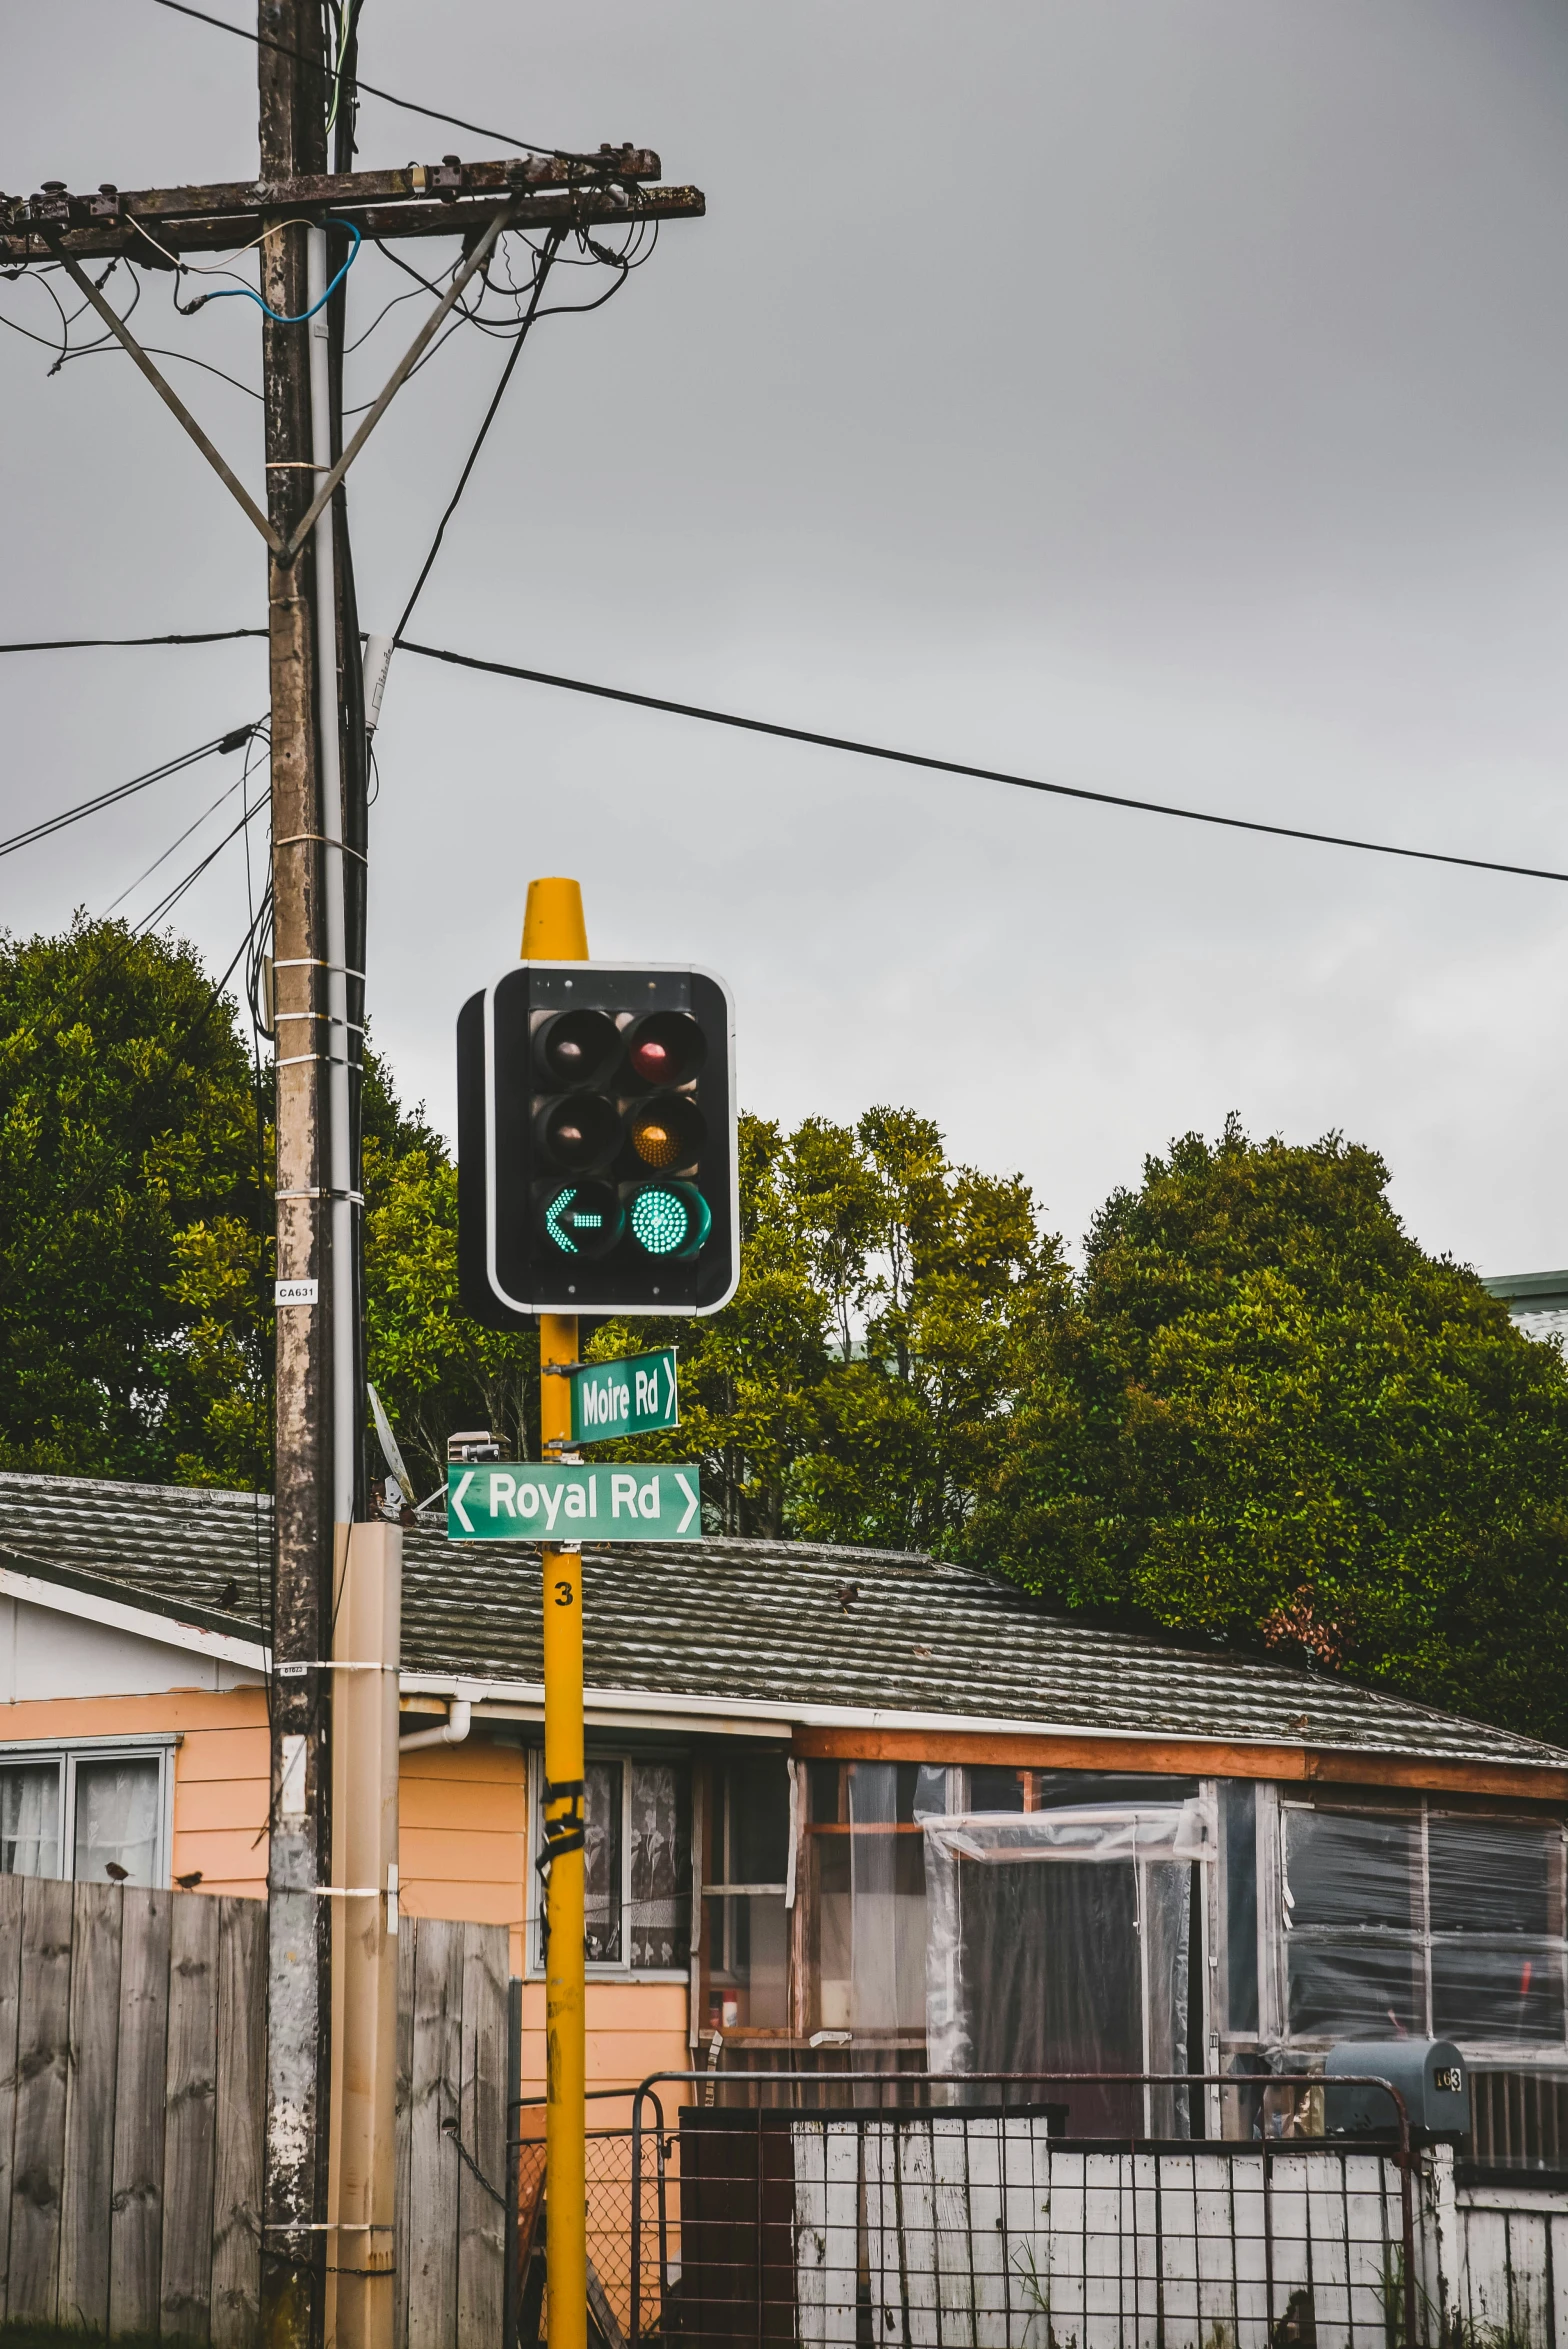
(1430, 2074)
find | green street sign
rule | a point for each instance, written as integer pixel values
(626, 1398)
(562, 1501)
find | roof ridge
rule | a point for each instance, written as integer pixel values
(187, 1495)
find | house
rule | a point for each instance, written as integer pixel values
(840, 1796)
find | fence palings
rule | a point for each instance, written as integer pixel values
(132, 2087)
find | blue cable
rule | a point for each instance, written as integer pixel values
(231, 293)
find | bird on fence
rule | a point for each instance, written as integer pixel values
(115, 1872)
(189, 1883)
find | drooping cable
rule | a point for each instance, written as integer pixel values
(922, 759)
(221, 743)
(369, 90)
(541, 273)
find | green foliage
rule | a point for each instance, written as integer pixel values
(130, 1263)
(434, 1369)
(1266, 1413)
(858, 1385)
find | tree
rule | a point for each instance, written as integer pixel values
(858, 1383)
(132, 1163)
(435, 1370)
(1266, 1415)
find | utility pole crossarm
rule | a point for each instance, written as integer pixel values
(151, 225)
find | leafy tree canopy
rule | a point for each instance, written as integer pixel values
(859, 1382)
(1262, 1415)
(130, 1262)
(1265, 1412)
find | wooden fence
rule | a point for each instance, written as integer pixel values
(131, 2083)
(132, 2092)
(452, 2126)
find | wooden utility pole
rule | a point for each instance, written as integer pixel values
(332, 1906)
(296, 2244)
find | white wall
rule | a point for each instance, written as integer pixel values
(46, 1653)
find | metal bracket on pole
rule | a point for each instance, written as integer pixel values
(165, 391)
(286, 551)
(395, 381)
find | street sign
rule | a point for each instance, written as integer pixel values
(631, 1397)
(551, 1501)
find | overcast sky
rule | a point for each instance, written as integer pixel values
(1168, 396)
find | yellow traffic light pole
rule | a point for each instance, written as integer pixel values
(553, 931)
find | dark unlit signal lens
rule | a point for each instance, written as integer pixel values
(576, 1049)
(580, 1134)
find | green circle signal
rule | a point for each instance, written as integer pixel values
(670, 1219)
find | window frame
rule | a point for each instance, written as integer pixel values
(65, 1752)
(597, 1969)
(1422, 1809)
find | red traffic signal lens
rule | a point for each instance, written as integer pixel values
(576, 1049)
(580, 1134)
(668, 1131)
(665, 1048)
(578, 1221)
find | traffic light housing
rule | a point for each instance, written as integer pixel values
(596, 1143)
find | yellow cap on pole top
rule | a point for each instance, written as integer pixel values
(553, 925)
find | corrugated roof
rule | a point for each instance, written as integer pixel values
(763, 1624)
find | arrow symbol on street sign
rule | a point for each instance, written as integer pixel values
(463, 1483)
(669, 1372)
(691, 1501)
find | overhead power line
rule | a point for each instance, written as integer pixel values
(918, 758)
(94, 643)
(843, 742)
(234, 740)
(366, 89)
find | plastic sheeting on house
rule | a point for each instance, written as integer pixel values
(1378, 1904)
(1059, 1942)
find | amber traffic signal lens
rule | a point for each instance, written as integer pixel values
(665, 1048)
(670, 1131)
(576, 1049)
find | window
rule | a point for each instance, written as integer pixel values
(636, 1864)
(1426, 1923)
(745, 1879)
(90, 1811)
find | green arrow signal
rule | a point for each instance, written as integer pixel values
(559, 1213)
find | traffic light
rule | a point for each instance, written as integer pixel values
(596, 1143)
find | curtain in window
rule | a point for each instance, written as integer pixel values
(602, 1863)
(887, 1906)
(660, 1920)
(30, 1820)
(117, 1820)
(1059, 1942)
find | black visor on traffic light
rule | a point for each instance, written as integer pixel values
(667, 1132)
(580, 1134)
(664, 1048)
(574, 1049)
(579, 1220)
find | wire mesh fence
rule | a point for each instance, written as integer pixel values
(870, 2213)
